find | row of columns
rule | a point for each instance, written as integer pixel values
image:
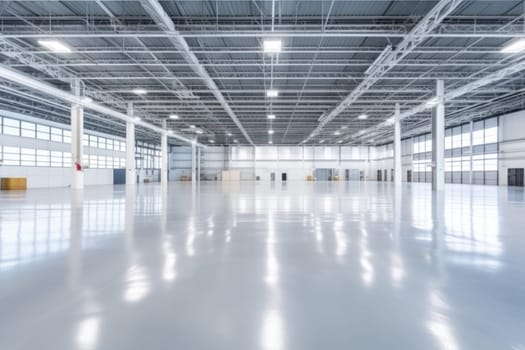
(77, 148)
(438, 141)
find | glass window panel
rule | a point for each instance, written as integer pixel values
(11, 127)
(67, 136)
(478, 134)
(93, 161)
(56, 159)
(491, 135)
(67, 159)
(27, 157)
(42, 132)
(93, 141)
(85, 140)
(42, 157)
(102, 142)
(11, 155)
(28, 129)
(56, 135)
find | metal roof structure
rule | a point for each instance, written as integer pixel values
(205, 62)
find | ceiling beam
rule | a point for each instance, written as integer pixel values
(159, 15)
(391, 57)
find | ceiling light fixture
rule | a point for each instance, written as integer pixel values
(362, 117)
(337, 133)
(192, 126)
(139, 91)
(270, 132)
(272, 93)
(236, 141)
(174, 116)
(514, 47)
(86, 99)
(271, 116)
(212, 141)
(55, 46)
(229, 134)
(137, 119)
(270, 142)
(322, 141)
(272, 46)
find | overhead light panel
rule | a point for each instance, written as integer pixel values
(198, 131)
(270, 132)
(271, 116)
(337, 133)
(192, 126)
(322, 141)
(174, 116)
(229, 134)
(514, 47)
(272, 46)
(272, 93)
(212, 141)
(362, 117)
(139, 91)
(270, 142)
(236, 141)
(55, 46)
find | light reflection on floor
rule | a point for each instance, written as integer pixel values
(263, 266)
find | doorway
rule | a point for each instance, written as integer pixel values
(283, 177)
(379, 172)
(272, 176)
(385, 178)
(515, 177)
(409, 175)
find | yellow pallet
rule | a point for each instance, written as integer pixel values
(13, 183)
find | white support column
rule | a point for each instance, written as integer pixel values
(198, 164)
(164, 156)
(471, 173)
(193, 174)
(131, 171)
(77, 148)
(397, 146)
(438, 139)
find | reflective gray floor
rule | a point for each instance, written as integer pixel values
(261, 266)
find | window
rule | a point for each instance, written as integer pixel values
(27, 157)
(42, 157)
(56, 159)
(28, 129)
(11, 127)
(56, 135)
(42, 132)
(67, 136)
(11, 155)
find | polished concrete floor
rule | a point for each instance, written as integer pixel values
(263, 266)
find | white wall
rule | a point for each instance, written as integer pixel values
(512, 144)
(39, 177)
(297, 162)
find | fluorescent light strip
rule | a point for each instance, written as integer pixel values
(55, 46)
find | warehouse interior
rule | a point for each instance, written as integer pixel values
(262, 174)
